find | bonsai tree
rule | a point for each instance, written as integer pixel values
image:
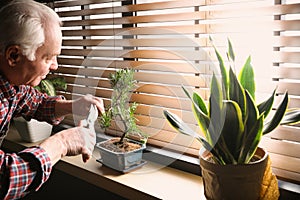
(231, 121)
(49, 86)
(122, 82)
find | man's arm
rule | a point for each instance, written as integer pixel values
(23, 172)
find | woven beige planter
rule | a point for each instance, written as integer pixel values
(247, 181)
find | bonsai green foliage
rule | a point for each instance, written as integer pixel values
(49, 86)
(120, 109)
(105, 119)
(231, 121)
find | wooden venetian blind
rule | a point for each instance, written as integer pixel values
(166, 42)
(283, 143)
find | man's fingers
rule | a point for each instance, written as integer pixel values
(85, 157)
(82, 123)
(100, 105)
(87, 153)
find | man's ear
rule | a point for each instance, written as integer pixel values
(13, 55)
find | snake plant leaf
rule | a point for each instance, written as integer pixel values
(48, 87)
(186, 92)
(183, 128)
(59, 83)
(253, 128)
(222, 149)
(276, 119)
(215, 91)
(230, 53)
(252, 112)
(199, 110)
(38, 87)
(266, 106)
(236, 92)
(223, 72)
(246, 77)
(251, 116)
(200, 102)
(255, 138)
(233, 127)
(179, 125)
(217, 120)
(215, 113)
(291, 117)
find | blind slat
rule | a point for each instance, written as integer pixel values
(287, 73)
(154, 30)
(188, 42)
(282, 147)
(137, 19)
(61, 4)
(134, 8)
(150, 54)
(181, 67)
(292, 88)
(291, 164)
(286, 133)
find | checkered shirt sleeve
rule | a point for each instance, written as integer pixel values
(23, 172)
(37, 105)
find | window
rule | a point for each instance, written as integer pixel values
(167, 43)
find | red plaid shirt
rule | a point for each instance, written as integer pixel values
(27, 170)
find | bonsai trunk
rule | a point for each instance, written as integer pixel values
(125, 127)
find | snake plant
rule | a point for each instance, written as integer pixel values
(231, 121)
(49, 86)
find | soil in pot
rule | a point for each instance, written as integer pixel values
(120, 147)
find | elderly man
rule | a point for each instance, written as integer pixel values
(30, 41)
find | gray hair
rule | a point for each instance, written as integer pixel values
(23, 23)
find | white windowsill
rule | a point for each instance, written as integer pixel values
(152, 181)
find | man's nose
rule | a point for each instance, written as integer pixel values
(54, 64)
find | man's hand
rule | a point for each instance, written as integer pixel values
(70, 142)
(80, 106)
